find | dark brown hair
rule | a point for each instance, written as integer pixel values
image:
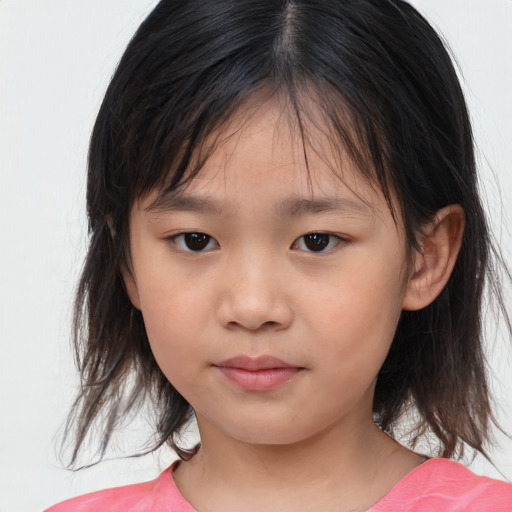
(390, 97)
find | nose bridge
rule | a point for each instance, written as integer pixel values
(253, 294)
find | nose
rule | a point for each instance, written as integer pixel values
(253, 295)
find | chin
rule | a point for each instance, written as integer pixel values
(270, 433)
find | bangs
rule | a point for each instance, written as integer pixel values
(321, 119)
(174, 92)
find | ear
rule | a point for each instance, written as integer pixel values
(440, 243)
(131, 286)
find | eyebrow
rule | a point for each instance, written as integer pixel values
(297, 206)
(169, 202)
(293, 206)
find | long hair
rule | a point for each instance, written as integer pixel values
(388, 95)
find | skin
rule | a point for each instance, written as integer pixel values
(256, 289)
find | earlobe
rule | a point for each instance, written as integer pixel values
(131, 286)
(433, 264)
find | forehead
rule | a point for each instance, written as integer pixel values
(267, 142)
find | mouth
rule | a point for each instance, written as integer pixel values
(262, 373)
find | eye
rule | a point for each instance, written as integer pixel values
(317, 242)
(194, 242)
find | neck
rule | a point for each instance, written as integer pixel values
(344, 464)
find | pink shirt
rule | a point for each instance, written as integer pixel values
(437, 485)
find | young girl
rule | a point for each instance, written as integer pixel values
(287, 244)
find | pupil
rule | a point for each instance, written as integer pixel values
(196, 241)
(316, 241)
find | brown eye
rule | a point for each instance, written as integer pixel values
(317, 242)
(194, 242)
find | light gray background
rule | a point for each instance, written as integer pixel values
(56, 57)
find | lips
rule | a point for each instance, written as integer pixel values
(262, 373)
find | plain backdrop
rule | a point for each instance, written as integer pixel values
(56, 57)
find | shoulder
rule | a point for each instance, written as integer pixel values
(442, 484)
(159, 495)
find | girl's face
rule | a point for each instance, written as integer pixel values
(270, 297)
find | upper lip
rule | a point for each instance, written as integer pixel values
(249, 363)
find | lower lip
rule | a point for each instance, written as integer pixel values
(259, 380)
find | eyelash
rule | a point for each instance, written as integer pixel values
(315, 237)
(204, 240)
(182, 237)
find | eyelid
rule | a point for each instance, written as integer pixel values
(340, 239)
(174, 236)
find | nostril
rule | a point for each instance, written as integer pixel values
(270, 325)
(254, 311)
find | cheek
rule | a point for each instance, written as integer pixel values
(364, 307)
(173, 332)
(174, 314)
(170, 299)
(369, 291)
